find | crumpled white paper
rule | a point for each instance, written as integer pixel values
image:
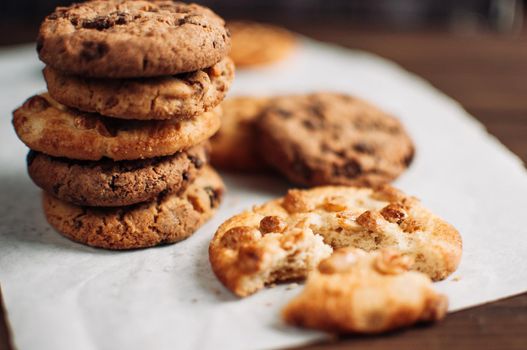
(62, 295)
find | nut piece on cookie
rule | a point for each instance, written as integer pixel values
(273, 44)
(333, 139)
(251, 251)
(358, 292)
(288, 236)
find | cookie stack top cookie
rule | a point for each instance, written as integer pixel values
(128, 38)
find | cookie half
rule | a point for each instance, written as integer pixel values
(176, 96)
(106, 183)
(168, 219)
(47, 126)
(287, 237)
(272, 44)
(129, 38)
(235, 145)
(358, 292)
(331, 138)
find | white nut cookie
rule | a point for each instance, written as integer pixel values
(287, 237)
(358, 292)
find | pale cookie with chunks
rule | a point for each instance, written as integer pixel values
(47, 126)
(287, 237)
(333, 139)
(256, 44)
(235, 145)
(168, 219)
(129, 38)
(358, 292)
(177, 96)
(106, 183)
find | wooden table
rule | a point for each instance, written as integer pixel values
(487, 74)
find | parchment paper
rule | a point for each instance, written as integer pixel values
(62, 295)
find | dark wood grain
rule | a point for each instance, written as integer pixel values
(487, 74)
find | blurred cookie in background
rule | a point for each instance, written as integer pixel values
(328, 138)
(256, 44)
(235, 145)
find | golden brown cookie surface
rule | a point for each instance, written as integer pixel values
(176, 96)
(255, 44)
(333, 139)
(358, 292)
(168, 219)
(235, 145)
(127, 38)
(49, 127)
(106, 183)
(290, 235)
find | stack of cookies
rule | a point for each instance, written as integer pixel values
(119, 143)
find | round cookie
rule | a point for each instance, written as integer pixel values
(234, 146)
(169, 219)
(255, 44)
(46, 126)
(129, 38)
(177, 96)
(106, 183)
(357, 292)
(287, 237)
(331, 138)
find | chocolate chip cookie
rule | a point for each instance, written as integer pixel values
(49, 127)
(130, 38)
(168, 219)
(235, 145)
(332, 138)
(175, 96)
(287, 237)
(106, 183)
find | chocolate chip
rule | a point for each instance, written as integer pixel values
(363, 148)
(93, 51)
(317, 110)
(350, 169)
(112, 101)
(309, 124)
(198, 163)
(122, 18)
(214, 196)
(283, 113)
(301, 168)
(99, 23)
(185, 176)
